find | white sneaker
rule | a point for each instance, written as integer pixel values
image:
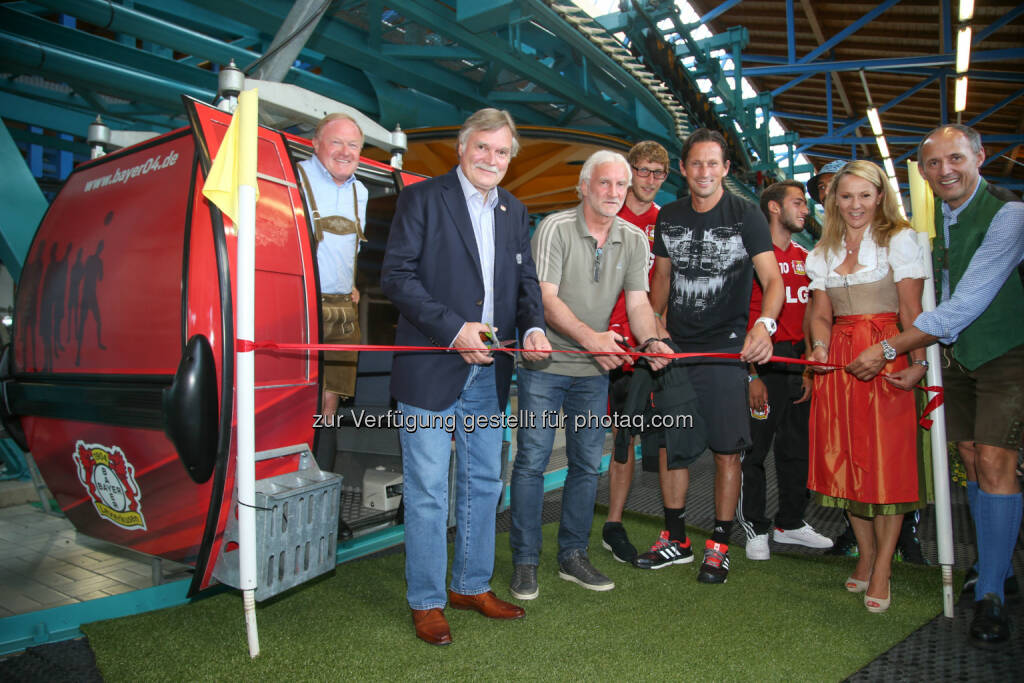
(805, 536)
(757, 548)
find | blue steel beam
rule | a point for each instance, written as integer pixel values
(23, 202)
(29, 27)
(1009, 148)
(349, 46)
(705, 66)
(79, 70)
(444, 24)
(852, 125)
(975, 74)
(786, 86)
(722, 7)
(625, 81)
(617, 22)
(1005, 138)
(140, 25)
(28, 109)
(891, 103)
(996, 25)
(793, 116)
(438, 53)
(884, 64)
(996, 107)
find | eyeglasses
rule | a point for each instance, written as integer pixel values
(645, 172)
(597, 264)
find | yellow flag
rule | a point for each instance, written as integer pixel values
(235, 163)
(922, 201)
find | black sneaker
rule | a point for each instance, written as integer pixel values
(715, 568)
(614, 538)
(576, 567)
(665, 552)
(524, 582)
(990, 628)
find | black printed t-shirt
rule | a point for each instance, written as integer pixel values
(712, 272)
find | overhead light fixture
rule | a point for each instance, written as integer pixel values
(876, 123)
(960, 101)
(963, 50)
(966, 10)
(890, 170)
(883, 149)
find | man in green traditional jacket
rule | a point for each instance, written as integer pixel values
(978, 252)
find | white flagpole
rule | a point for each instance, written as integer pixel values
(231, 186)
(245, 473)
(940, 456)
(922, 203)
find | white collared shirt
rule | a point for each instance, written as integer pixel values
(903, 255)
(481, 215)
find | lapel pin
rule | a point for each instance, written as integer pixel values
(502, 207)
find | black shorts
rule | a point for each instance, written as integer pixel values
(721, 387)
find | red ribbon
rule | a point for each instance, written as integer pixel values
(245, 346)
(935, 402)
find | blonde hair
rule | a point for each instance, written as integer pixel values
(888, 219)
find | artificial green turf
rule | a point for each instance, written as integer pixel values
(787, 619)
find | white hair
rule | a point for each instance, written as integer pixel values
(602, 156)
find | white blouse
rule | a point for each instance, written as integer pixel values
(903, 255)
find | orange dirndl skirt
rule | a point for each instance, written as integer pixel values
(863, 435)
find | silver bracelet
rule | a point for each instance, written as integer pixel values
(817, 343)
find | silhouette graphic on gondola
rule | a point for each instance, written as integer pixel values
(74, 285)
(60, 285)
(90, 303)
(47, 308)
(31, 278)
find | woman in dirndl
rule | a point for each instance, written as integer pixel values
(867, 274)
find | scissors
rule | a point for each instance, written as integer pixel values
(490, 339)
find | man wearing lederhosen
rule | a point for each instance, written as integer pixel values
(337, 205)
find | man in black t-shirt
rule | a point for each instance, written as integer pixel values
(707, 247)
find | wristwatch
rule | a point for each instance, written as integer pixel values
(887, 350)
(922, 363)
(769, 324)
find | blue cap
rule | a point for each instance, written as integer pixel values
(831, 167)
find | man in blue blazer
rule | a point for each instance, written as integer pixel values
(458, 266)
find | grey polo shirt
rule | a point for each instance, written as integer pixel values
(566, 255)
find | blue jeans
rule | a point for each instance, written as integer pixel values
(585, 398)
(425, 463)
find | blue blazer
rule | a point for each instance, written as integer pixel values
(431, 272)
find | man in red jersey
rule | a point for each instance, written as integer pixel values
(649, 162)
(780, 393)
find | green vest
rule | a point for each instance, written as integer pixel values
(1001, 326)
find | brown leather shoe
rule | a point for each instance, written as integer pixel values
(486, 604)
(431, 626)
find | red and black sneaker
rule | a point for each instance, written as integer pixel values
(665, 552)
(715, 568)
